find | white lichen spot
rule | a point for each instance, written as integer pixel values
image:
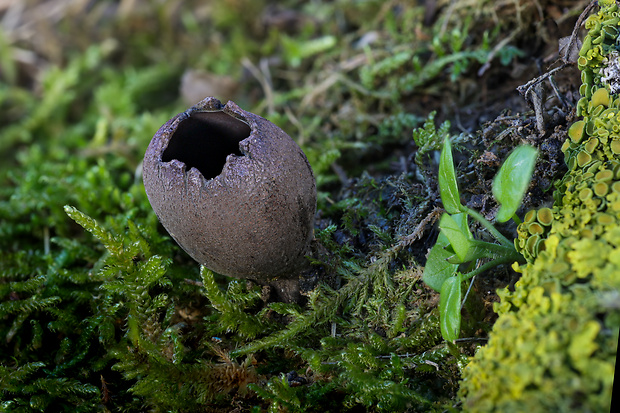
(610, 72)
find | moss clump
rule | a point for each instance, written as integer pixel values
(554, 345)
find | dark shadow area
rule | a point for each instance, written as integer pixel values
(204, 140)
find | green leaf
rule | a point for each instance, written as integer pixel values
(512, 180)
(448, 187)
(437, 268)
(450, 308)
(454, 227)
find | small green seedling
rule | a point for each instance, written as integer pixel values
(456, 244)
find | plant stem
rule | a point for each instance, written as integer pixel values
(496, 251)
(489, 227)
(516, 219)
(486, 266)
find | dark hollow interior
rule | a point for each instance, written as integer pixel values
(204, 140)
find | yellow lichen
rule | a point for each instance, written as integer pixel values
(600, 97)
(545, 216)
(576, 131)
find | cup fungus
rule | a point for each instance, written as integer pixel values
(235, 191)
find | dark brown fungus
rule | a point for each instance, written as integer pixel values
(233, 190)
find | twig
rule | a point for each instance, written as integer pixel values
(417, 232)
(554, 86)
(533, 93)
(495, 50)
(524, 89)
(529, 90)
(471, 283)
(264, 78)
(573, 37)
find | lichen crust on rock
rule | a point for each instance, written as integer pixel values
(554, 345)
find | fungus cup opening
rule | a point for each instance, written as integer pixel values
(204, 140)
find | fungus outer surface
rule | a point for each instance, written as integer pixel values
(235, 191)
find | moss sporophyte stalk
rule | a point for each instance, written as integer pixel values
(554, 345)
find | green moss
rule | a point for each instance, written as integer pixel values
(554, 345)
